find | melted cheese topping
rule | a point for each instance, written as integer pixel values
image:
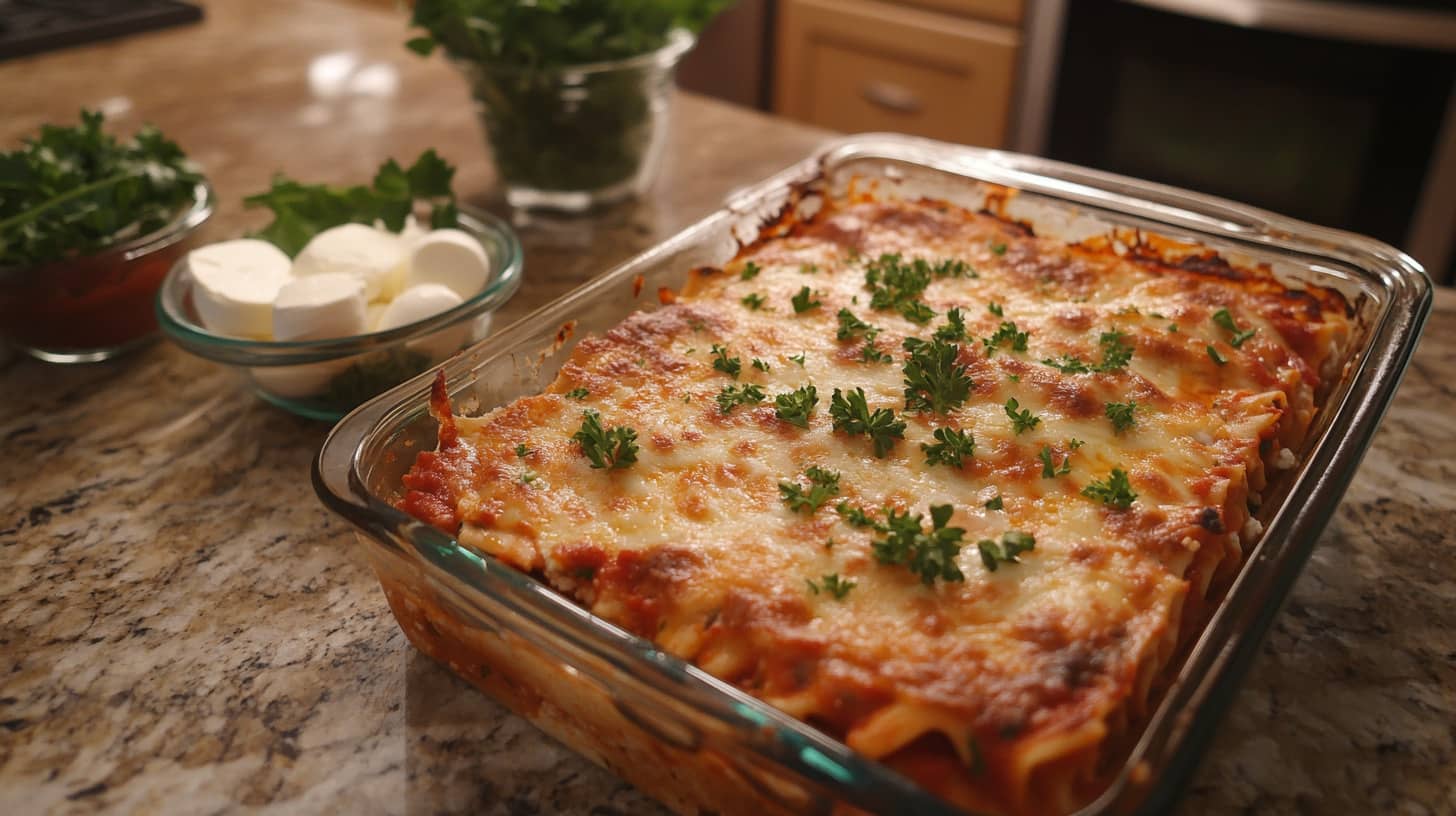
(998, 691)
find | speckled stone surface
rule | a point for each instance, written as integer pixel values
(185, 629)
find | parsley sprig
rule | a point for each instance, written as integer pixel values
(734, 395)
(1012, 544)
(823, 485)
(1049, 468)
(856, 517)
(1225, 320)
(613, 448)
(1122, 414)
(722, 362)
(933, 379)
(1022, 419)
(898, 285)
(1116, 353)
(1006, 335)
(928, 554)
(851, 413)
(1115, 492)
(804, 300)
(851, 327)
(796, 406)
(952, 447)
(832, 584)
(954, 330)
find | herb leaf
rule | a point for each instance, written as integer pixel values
(753, 300)
(1012, 544)
(1116, 353)
(1225, 320)
(750, 271)
(995, 503)
(1122, 414)
(851, 414)
(1021, 418)
(722, 362)
(796, 406)
(614, 448)
(834, 585)
(933, 380)
(1050, 470)
(577, 393)
(823, 485)
(851, 327)
(1116, 492)
(1007, 333)
(954, 330)
(895, 284)
(951, 448)
(734, 395)
(1215, 356)
(804, 301)
(930, 555)
(855, 517)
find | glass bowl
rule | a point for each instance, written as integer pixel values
(95, 307)
(325, 379)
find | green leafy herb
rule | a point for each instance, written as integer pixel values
(761, 365)
(917, 312)
(995, 503)
(951, 448)
(872, 354)
(833, 585)
(896, 285)
(1215, 356)
(301, 211)
(734, 395)
(750, 271)
(851, 414)
(798, 359)
(808, 269)
(998, 248)
(929, 555)
(1226, 321)
(954, 330)
(1006, 334)
(614, 448)
(1075, 443)
(1173, 327)
(933, 379)
(953, 268)
(1021, 418)
(1122, 414)
(1116, 492)
(851, 327)
(528, 476)
(1012, 544)
(804, 300)
(994, 308)
(823, 485)
(722, 362)
(578, 394)
(855, 517)
(72, 191)
(796, 406)
(1049, 469)
(1116, 353)
(753, 301)
(522, 451)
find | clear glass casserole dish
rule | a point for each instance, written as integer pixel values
(698, 743)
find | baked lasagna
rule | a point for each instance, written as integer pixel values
(949, 491)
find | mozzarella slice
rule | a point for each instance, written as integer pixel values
(449, 257)
(374, 256)
(315, 307)
(234, 284)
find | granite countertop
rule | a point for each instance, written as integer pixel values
(185, 629)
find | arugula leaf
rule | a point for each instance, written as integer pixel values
(614, 448)
(301, 211)
(930, 555)
(1122, 414)
(1115, 492)
(1021, 418)
(73, 191)
(734, 395)
(951, 448)
(823, 485)
(933, 380)
(796, 406)
(852, 415)
(1012, 544)
(722, 362)
(1226, 321)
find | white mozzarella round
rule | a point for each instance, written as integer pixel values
(449, 257)
(417, 303)
(316, 307)
(376, 257)
(234, 285)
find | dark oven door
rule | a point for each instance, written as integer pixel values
(1336, 121)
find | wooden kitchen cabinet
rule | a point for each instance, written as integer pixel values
(863, 65)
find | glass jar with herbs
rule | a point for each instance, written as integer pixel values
(573, 94)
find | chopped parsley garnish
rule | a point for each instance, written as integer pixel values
(528, 476)
(614, 448)
(995, 503)
(1225, 320)
(953, 268)
(897, 285)
(808, 269)
(930, 555)
(831, 584)
(917, 312)
(1075, 443)
(933, 380)
(871, 353)
(1021, 418)
(1116, 353)
(750, 271)
(994, 308)
(522, 451)
(796, 406)
(1012, 544)
(855, 517)
(952, 446)
(1122, 414)
(578, 394)
(998, 248)
(954, 329)
(722, 362)
(851, 414)
(1215, 356)
(1116, 492)
(734, 395)
(797, 358)
(823, 485)
(1173, 327)
(804, 301)
(753, 301)
(1049, 468)
(1006, 333)
(760, 364)
(851, 327)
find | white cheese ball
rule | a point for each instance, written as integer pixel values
(451, 258)
(318, 307)
(235, 284)
(375, 257)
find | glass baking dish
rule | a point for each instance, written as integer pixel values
(697, 743)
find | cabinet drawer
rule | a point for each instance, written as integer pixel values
(860, 65)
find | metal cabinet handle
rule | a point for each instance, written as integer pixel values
(893, 96)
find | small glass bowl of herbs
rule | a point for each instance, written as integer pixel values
(325, 373)
(89, 226)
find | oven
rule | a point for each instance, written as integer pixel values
(1339, 113)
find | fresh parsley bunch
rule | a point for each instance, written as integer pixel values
(77, 190)
(301, 211)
